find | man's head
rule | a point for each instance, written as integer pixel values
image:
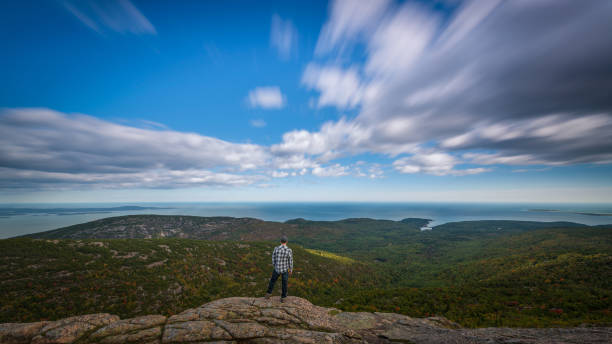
(283, 239)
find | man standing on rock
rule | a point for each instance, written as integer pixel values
(282, 259)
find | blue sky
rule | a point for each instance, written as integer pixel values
(305, 101)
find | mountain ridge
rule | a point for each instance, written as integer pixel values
(147, 226)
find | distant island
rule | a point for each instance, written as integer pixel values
(569, 212)
(7, 212)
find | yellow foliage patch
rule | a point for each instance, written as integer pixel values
(341, 259)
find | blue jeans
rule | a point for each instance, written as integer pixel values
(285, 277)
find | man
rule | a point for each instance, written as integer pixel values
(282, 259)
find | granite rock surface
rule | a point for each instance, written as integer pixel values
(257, 320)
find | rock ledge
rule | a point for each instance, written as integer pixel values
(257, 320)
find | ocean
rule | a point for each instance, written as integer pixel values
(19, 219)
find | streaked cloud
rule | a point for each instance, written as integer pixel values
(435, 163)
(113, 15)
(154, 179)
(269, 97)
(337, 87)
(46, 149)
(41, 145)
(471, 14)
(400, 40)
(283, 37)
(495, 77)
(350, 19)
(493, 83)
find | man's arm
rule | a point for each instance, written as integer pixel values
(274, 257)
(290, 261)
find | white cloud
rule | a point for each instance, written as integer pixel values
(294, 162)
(424, 82)
(427, 81)
(348, 137)
(283, 37)
(266, 97)
(11, 178)
(340, 88)
(115, 15)
(348, 19)
(47, 145)
(435, 163)
(279, 174)
(330, 171)
(258, 123)
(375, 171)
(299, 164)
(343, 135)
(400, 41)
(557, 127)
(501, 159)
(468, 17)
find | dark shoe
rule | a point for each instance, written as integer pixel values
(268, 296)
(283, 299)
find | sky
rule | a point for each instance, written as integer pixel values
(347, 100)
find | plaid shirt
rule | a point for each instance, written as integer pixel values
(282, 259)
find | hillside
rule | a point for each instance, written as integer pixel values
(257, 320)
(349, 232)
(51, 279)
(168, 226)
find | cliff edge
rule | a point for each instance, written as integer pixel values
(257, 320)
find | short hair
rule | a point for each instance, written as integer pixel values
(284, 239)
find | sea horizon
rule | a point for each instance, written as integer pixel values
(66, 214)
